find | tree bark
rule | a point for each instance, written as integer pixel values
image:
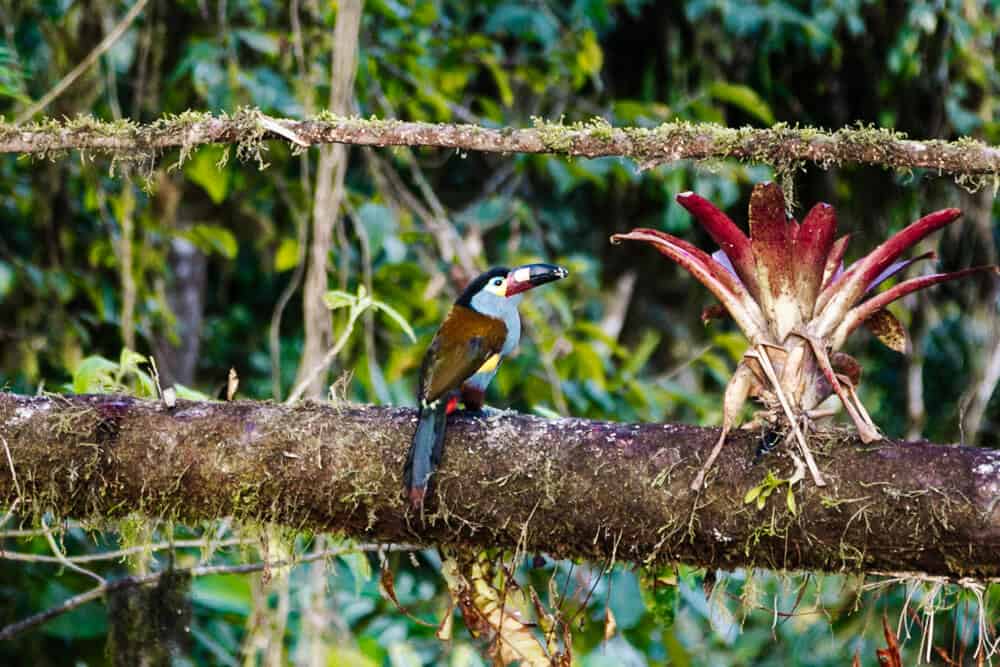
(569, 487)
(670, 142)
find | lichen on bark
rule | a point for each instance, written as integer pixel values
(568, 487)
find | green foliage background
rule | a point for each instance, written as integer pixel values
(927, 69)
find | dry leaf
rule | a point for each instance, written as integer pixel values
(444, 630)
(889, 656)
(610, 625)
(487, 614)
(888, 329)
(232, 385)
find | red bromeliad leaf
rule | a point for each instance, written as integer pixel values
(844, 292)
(865, 310)
(835, 260)
(714, 312)
(724, 285)
(730, 238)
(896, 267)
(888, 329)
(812, 248)
(772, 239)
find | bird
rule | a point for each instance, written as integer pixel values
(479, 331)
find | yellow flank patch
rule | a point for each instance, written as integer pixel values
(490, 364)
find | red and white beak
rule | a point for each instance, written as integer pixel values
(528, 276)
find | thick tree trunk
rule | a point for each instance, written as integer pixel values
(569, 487)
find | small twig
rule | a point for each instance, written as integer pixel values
(9, 513)
(14, 629)
(272, 125)
(85, 64)
(274, 331)
(61, 557)
(13, 474)
(327, 359)
(120, 553)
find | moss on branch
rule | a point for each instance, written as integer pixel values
(972, 163)
(569, 487)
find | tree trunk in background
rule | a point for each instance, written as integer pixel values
(978, 210)
(568, 487)
(185, 292)
(328, 196)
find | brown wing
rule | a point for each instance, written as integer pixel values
(464, 342)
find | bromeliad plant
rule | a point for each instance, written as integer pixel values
(787, 289)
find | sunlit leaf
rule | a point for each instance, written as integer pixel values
(287, 255)
(203, 169)
(6, 279)
(360, 567)
(261, 42)
(743, 97)
(335, 299)
(212, 239)
(95, 375)
(226, 593)
(396, 317)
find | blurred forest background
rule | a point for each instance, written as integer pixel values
(200, 264)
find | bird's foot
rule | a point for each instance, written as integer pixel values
(486, 411)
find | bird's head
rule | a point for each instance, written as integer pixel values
(500, 287)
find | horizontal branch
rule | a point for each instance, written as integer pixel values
(780, 145)
(569, 487)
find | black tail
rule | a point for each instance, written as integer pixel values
(425, 451)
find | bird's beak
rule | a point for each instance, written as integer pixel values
(523, 278)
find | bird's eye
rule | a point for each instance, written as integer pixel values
(497, 282)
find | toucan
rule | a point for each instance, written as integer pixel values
(480, 330)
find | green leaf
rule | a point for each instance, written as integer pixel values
(659, 588)
(503, 83)
(85, 622)
(761, 499)
(744, 98)
(752, 494)
(6, 279)
(287, 255)
(589, 56)
(545, 411)
(212, 238)
(259, 41)
(129, 360)
(379, 224)
(190, 394)
(643, 351)
(360, 567)
(397, 318)
(203, 170)
(402, 654)
(790, 500)
(95, 375)
(335, 299)
(226, 593)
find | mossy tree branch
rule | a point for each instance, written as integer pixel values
(569, 487)
(780, 145)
